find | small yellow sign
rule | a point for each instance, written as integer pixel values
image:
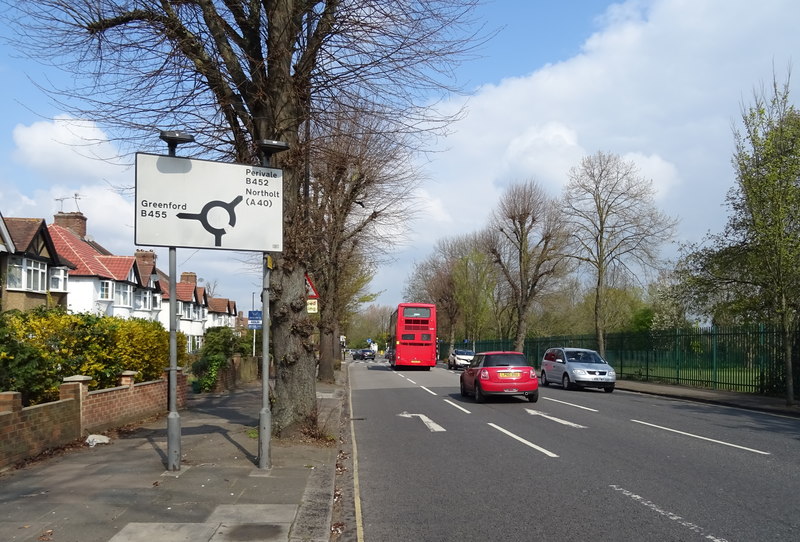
(312, 306)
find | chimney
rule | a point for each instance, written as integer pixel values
(147, 257)
(188, 276)
(75, 222)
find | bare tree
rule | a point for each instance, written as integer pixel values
(359, 202)
(236, 72)
(431, 281)
(526, 240)
(615, 226)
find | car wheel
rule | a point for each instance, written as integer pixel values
(479, 396)
(463, 389)
(565, 382)
(533, 397)
(609, 389)
(543, 380)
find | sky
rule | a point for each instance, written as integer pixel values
(661, 83)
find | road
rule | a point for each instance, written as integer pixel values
(578, 465)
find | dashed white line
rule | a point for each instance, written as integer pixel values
(570, 404)
(429, 391)
(702, 438)
(554, 419)
(674, 517)
(459, 407)
(523, 441)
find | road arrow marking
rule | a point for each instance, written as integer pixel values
(553, 418)
(430, 424)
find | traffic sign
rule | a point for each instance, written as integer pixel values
(254, 320)
(184, 202)
(311, 290)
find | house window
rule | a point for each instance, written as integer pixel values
(58, 279)
(187, 311)
(106, 290)
(156, 301)
(122, 294)
(26, 274)
(143, 300)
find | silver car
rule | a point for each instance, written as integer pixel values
(577, 367)
(460, 358)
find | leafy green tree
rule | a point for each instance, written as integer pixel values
(749, 272)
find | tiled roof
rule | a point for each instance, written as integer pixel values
(23, 231)
(119, 266)
(218, 304)
(185, 292)
(85, 257)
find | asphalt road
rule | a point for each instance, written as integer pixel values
(431, 465)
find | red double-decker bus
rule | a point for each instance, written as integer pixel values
(413, 328)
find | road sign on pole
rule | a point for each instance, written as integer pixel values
(185, 202)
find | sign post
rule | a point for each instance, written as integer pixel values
(183, 202)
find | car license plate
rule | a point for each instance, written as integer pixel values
(415, 361)
(507, 374)
(510, 390)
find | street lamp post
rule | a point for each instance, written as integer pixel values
(173, 138)
(268, 148)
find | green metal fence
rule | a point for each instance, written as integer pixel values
(748, 359)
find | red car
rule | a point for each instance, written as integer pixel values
(500, 373)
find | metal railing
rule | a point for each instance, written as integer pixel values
(747, 358)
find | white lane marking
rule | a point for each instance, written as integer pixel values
(674, 517)
(429, 391)
(523, 441)
(430, 424)
(459, 407)
(703, 438)
(410, 380)
(570, 404)
(553, 418)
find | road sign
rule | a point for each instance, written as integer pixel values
(312, 306)
(311, 290)
(184, 202)
(254, 320)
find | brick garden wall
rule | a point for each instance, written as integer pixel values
(26, 432)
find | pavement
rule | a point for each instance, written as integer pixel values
(121, 492)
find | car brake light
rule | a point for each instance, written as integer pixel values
(484, 374)
(533, 374)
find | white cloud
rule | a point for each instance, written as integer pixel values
(68, 149)
(660, 83)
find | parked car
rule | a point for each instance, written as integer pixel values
(364, 353)
(577, 367)
(459, 358)
(500, 373)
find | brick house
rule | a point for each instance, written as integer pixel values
(61, 264)
(33, 272)
(102, 283)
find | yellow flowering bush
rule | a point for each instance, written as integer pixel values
(39, 348)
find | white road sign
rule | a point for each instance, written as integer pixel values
(185, 202)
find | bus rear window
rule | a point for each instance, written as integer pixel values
(426, 336)
(416, 312)
(407, 337)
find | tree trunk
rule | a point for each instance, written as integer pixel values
(327, 354)
(295, 384)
